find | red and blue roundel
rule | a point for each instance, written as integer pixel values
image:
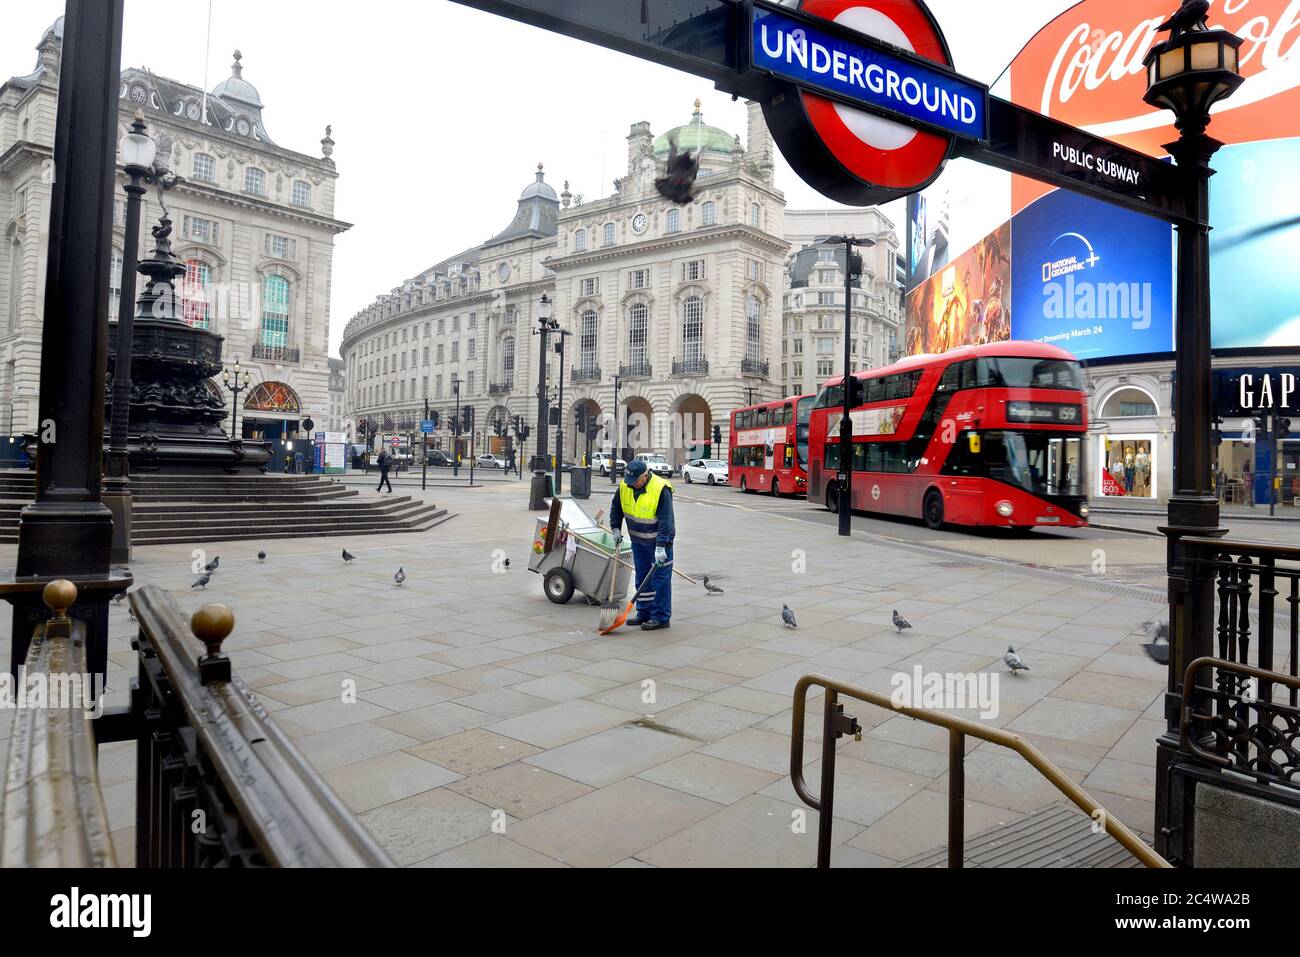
(851, 155)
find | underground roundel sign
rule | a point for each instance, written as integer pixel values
(848, 154)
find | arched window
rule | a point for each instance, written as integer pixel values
(674, 221)
(753, 329)
(609, 234)
(1127, 403)
(196, 305)
(587, 341)
(508, 361)
(692, 330)
(114, 283)
(580, 241)
(638, 321)
(205, 168)
(709, 214)
(275, 311)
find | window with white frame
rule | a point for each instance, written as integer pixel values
(692, 329)
(755, 270)
(639, 278)
(638, 326)
(587, 340)
(301, 195)
(798, 347)
(196, 301)
(753, 329)
(590, 287)
(205, 168)
(693, 270)
(200, 230)
(674, 221)
(455, 351)
(508, 360)
(708, 214)
(580, 241)
(255, 181)
(281, 247)
(825, 369)
(755, 215)
(609, 234)
(469, 382)
(275, 311)
(825, 298)
(826, 255)
(471, 350)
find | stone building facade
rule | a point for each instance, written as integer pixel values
(681, 304)
(253, 221)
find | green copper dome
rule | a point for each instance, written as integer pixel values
(696, 136)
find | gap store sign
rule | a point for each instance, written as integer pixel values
(867, 75)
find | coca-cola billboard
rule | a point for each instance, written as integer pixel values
(1085, 68)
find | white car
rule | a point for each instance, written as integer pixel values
(710, 471)
(488, 461)
(656, 463)
(600, 461)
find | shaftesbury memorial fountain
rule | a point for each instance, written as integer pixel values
(176, 413)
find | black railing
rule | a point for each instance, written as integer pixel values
(501, 388)
(635, 370)
(698, 366)
(586, 374)
(758, 367)
(276, 353)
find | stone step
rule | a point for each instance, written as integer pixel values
(330, 531)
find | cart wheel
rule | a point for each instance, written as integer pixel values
(558, 585)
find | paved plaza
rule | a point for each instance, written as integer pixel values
(493, 728)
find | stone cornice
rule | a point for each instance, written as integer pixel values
(247, 201)
(21, 153)
(684, 239)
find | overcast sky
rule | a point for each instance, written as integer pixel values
(441, 113)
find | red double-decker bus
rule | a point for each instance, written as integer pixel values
(986, 435)
(769, 447)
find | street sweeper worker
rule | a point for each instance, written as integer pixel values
(645, 501)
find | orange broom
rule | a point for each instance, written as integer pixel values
(621, 619)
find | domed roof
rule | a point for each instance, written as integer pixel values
(696, 137)
(235, 87)
(539, 187)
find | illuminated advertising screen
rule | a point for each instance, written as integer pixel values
(1091, 278)
(965, 303)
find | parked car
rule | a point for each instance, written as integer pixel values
(439, 458)
(600, 462)
(489, 461)
(710, 471)
(656, 463)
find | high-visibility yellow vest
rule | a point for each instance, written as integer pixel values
(642, 511)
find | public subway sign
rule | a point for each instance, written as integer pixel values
(1242, 392)
(863, 71)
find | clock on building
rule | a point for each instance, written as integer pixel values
(639, 223)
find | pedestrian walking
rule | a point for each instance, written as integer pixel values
(385, 463)
(1248, 484)
(510, 459)
(645, 501)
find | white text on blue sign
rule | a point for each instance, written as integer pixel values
(793, 51)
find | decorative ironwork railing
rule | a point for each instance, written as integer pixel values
(758, 367)
(276, 353)
(588, 374)
(698, 366)
(635, 370)
(501, 388)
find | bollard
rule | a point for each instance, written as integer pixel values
(542, 489)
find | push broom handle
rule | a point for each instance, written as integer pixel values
(680, 574)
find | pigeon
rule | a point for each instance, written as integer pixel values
(1158, 650)
(1013, 661)
(348, 557)
(711, 588)
(202, 582)
(1191, 13)
(131, 614)
(400, 577)
(506, 563)
(212, 565)
(680, 175)
(787, 616)
(900, 622)
(261, 556)
(119, 598)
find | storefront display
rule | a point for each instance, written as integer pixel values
(1127, 466)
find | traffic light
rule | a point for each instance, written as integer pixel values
(433, 417)
(855, 266)
(553, 415)
(499, 427)
(855, 392)
(467, 419)
(593, 427)
(580, 419)
(717, 435)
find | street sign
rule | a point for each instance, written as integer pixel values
(426, 426)
(394, 441)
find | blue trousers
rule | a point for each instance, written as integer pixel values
(657, 601)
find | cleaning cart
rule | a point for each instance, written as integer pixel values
(573, 553)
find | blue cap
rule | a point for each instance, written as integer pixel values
(635, 468)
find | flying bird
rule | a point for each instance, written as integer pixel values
(348, 557)
(681, 171)
(212, 565)
(711, 588)
(900, 622)
(1013, 661)
(261, 556)
(1188, 16)
(787, 616)
(400, 577)
(202, 582)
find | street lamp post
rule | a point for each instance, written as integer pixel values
(138, 152)
(542, 330)
(236, 380)
(1188, 73)
(618, 436)
(455, 427)
(852, 267)
(424, 451)
(559, 419)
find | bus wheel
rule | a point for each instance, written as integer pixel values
(833, 497)
(934, 510)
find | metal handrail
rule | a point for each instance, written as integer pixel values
(1186, 715)
(836, 724)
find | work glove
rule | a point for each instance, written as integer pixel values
(661, 555)
(618, 544)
